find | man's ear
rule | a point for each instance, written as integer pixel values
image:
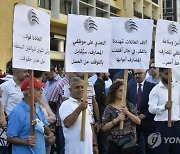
(28, 93)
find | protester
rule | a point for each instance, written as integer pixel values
(40, 75)
(50, 116)
(55, 102)
(117, 77)
(114, 113)
(12, 94)
(18, 130)
(94, 77)
(159, 105)
(100, 96)
(52, 79)
(138, 94)
(154, 77)
(92, 103)
(71, 116)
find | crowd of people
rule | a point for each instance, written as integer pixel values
(57, 114)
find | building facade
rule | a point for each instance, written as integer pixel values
(59, 9)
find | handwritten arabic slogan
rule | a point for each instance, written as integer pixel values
(167, 45)
(31, 38)
(131, 43)
(88, 44)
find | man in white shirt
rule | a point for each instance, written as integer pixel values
(12, 94)
(159, 105)
(92, 104)
(71, 116)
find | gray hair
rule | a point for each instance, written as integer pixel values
(73, 80)
(144, 70)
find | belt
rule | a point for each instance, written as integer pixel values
(173, 123)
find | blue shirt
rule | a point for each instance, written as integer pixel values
(19, 126)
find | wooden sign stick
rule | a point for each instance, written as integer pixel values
(123, 102)
(31, 76)
(169, 94)
(84, 112)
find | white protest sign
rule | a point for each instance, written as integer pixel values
(131, 43)
(167, 45)
(88, 44)
(31, 38)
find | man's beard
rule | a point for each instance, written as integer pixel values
(105, 78)
(164, 80)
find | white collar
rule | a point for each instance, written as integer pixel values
(142, 83)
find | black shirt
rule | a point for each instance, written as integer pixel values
(99, 88)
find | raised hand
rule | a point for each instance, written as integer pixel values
(124, 109)
(31, 141)
(83, 105)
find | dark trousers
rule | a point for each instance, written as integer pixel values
(60, 143)
(170, 138)
(3, 150)
(10, 148)
(140, 141)
(102, 142)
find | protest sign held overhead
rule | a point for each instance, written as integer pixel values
(31, 38)
(88, 44)
(167, 45)
(131, 43)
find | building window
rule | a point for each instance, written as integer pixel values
(171, 18)
(44, 4)
(169, 4)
